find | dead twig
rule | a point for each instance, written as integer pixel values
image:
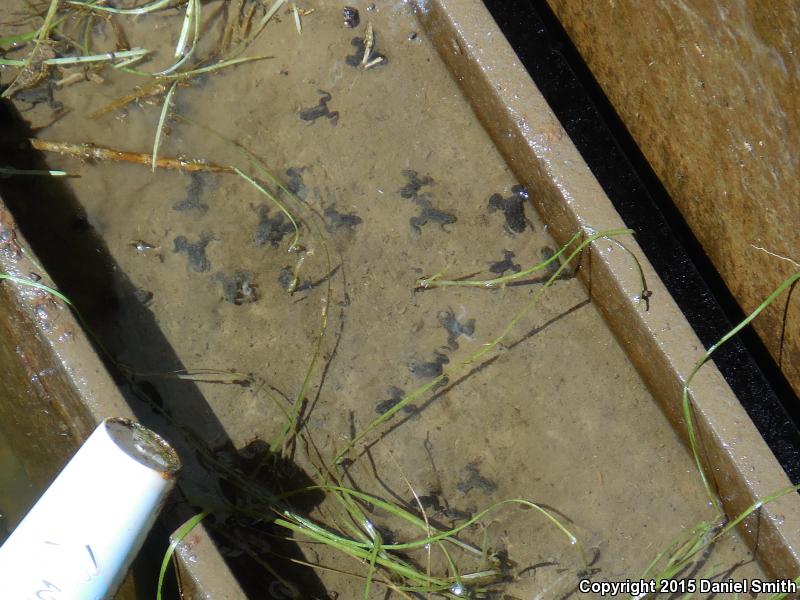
(90, 152)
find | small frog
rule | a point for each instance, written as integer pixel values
(335, 220)
(193, 195)
(548, 253)
(512, 207)
(395, 396)
(295, 184)
(430, 214)
(271, 230)
(507, 264)
(358, 58)
(195, 251)
(424, 370)
(475, 480)
(286, 279)
(415, 183)
(238, 288)
(454, 327)
(320, 110)
(39, 94)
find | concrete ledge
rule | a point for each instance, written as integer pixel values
(659, 342)
(55, 390)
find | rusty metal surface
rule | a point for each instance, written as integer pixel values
(709, 93)
(55, 390)
(659, 341)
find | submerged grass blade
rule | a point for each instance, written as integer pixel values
(160, 128)
(10, 171)
(191, 17)
(681, 552)
(277, 203)
(260, 26)
(297, 23)
(435, 281)
(141, 10)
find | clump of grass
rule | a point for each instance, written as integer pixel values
(185, 66)
(688, 548)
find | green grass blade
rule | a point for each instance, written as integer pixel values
(141, 10)
(181, 533)
(161, 121)
(687, 406)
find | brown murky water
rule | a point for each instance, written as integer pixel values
(16, 491)
(402, 178)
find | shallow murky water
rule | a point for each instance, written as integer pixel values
(399, 180)
(16, 492)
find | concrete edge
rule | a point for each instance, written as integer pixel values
(63, 405)
(659, 342)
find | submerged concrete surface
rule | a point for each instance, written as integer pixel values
(659, 341)
(709, 92)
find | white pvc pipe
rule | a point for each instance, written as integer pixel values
(80, 538)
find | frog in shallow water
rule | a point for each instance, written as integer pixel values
(548, 253)
(395, 396)
(357, 59)
(195, 251)
(474, 480)
(507, 264)
(40, 94)
(238, 288)
(430, 214)
(455, 328)
(295, 183)
(271, 230)
(286, 279)
(434, 368)
(335, 220)
(415, 183)
(192, 201)
(320, 110)
(513, 207)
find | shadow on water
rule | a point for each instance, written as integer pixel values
(77, 259)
